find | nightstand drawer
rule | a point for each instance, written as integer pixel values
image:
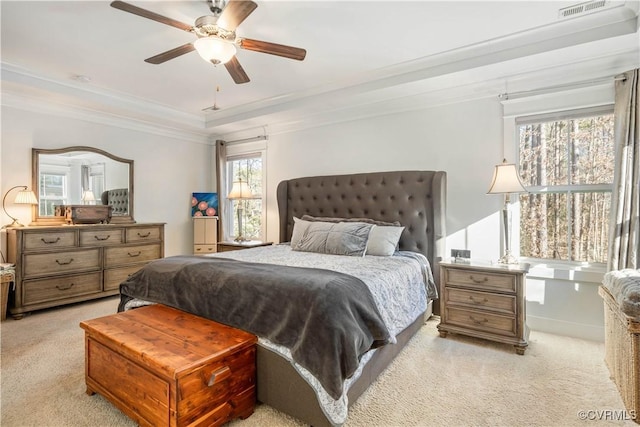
(482, 321)
(481, 300)
(481, 280)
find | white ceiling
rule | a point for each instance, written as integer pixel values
(363, 57)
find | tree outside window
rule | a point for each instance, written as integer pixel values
(249, 169)
(566, 164)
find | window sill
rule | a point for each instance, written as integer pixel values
(565, 270)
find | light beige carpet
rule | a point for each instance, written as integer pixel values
(455, 381)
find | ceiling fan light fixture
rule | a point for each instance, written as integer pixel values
(212, 49)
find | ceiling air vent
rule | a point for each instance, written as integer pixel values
(582, 8)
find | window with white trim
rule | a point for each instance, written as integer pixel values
(53, 191)
(566, 163)
(249, 168)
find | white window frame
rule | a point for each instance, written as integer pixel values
(236, 152)
(547, 103)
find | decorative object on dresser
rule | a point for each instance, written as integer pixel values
(84, 214)
(619, 291)
(506, 181)
(235, 246)
(204, 204)
(63, 178)
(57, 265)
(484, 301)
(205, 234)
(166, 367)
(240, 191)
(24, 197)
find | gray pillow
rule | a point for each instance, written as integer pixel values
(299, 229)
(383, 240)
(332, 219)
(341, 238)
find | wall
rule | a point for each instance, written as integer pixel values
(463, 139)
(166, 170)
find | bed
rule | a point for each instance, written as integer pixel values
(416, 200)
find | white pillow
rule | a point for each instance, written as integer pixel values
(383, 240)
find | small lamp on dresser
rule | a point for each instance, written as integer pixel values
(506, 181)
(24, 197)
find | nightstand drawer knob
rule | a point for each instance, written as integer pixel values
(478, 322)
(475, 301)
(474, 280)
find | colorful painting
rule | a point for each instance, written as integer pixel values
(204, 204)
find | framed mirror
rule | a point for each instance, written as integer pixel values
(81, 176)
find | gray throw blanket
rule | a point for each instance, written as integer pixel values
(327, 319)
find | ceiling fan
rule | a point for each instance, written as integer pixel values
(217, 40)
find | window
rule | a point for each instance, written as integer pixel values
(249, 168)
(53, 191)
(566, 163)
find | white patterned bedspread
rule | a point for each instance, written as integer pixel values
(398, 284)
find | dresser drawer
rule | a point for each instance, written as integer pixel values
(481, 280)
(44, 290)
(47, 264)
(481, 300)
(114, 276)
(205, 249)
(482, 321)
(114, 257)
(142, 234)
(101, 237)
(49, 240)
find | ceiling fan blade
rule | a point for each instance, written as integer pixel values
(234, 13)
(127, 7)
(170, 54)
(273, 49)
(237, 72)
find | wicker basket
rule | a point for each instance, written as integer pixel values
(622, 352)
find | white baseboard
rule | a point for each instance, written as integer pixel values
(570, 329)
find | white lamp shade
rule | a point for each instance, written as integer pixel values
(26, 197)
(506, 180)
(214, 49)
(240, 190)
(88, 196)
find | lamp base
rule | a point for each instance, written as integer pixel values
(241, 239)
(508, 259)
(14, 224)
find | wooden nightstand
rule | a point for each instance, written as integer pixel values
(484, 301)
(234, 246)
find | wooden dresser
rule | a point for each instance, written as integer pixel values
(166, 367)
(484, 301)
(65, 264)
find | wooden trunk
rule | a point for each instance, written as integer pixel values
(165, 367)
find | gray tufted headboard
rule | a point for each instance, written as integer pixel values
(417, 199)
(118, 198)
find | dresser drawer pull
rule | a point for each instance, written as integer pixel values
(478, 322)
(65, 288)
(474, 280)
(102, 238)
(219, 375)
(475, 301)
(134, 255)
(50, 242)
(64, 262)
(144, 235)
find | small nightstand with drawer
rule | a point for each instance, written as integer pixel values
(235, 246)
(484, 301)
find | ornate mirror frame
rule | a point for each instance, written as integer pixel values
(35, 172)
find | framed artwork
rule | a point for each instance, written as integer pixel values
(204, 204)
